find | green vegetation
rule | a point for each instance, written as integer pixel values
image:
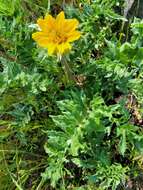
(61, 135)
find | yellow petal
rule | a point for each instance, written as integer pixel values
(50, 21)
(70, 25)
(60, 17)
(73, 36)
(42, 24)
(60, 20)
(47, 23)
(51, 48)
(41, 38)
(64, 47)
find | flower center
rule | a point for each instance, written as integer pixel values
(59, 38)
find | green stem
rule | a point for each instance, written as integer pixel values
(49, 5)
(67, 70)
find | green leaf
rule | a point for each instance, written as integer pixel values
(123, 144)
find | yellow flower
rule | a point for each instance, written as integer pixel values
(56, 33)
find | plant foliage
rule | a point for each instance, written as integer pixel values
(83, 135)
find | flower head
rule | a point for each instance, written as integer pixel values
(56, 34)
